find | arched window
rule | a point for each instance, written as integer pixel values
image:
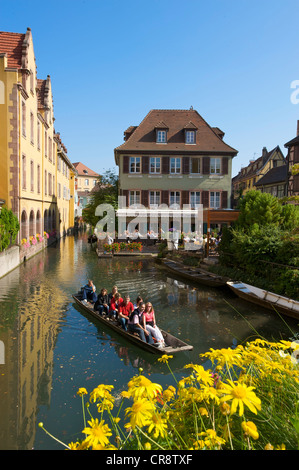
(24, 225)
(46, 220)
(39, 228)
(32, 224)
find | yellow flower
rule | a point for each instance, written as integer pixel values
(142, 387)
(225, 408)
(201, 374)
(281, 447)
(101, 391)
(147, 446)
(82, 391)
(164, 358)
(203, 411)
(250, 429)
(269, 446)
(97, 433)
(74, 446)
(159, 425)
(140, 413)
(211, 439)
(240, 395)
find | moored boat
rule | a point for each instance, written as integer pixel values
(172, 344)
(195, 274)
(266, 299)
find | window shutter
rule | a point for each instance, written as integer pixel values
(206, 165)
(144, 198)
(224, 165)
(125, 192)
(164, 197)
(185, 197)
(126, 164)
(224, 200)
(296, 154)
(145, 165)
(165, 165)
(295, 184)
(205, 198)
(186, 165)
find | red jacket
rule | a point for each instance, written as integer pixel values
(126, 309)
(113, 305)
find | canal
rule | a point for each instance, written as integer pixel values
(50, 348)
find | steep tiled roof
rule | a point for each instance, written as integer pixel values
(144, 136)
(11, 44)
(83, 170)
(275, 175)
(255, 166)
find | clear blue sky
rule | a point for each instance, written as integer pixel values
(113, 61)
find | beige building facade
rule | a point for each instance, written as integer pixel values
(38, 177)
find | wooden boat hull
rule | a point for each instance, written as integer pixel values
(195, 274)
(173, 344)
(266, 299)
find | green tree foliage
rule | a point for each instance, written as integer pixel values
(259, 208)
(265, 242)
(105, 192)
(9, 228)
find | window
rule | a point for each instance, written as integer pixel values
(175, 166)
(175, 197)
(50, 148)
(50, 184)
(215, 166)
(214, 199)
(38, 135)
(155, 165)
(190, 137)
(135, 164)
(46, 182)
(46, 143)
(280, 190)
(23, 172)
(194, 199)
(161, 137)
(195, 165)
(86, 182)
(31, 128)
(154, 198)
(31, 175)
(134, 198)
(38, 178)
(23, 119)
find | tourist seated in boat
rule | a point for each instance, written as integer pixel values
(138, 300)
(113, 291)
(149, 323)
(125, 309)
(135, 324)
(114, 305)
(89, 292)
(102, 303)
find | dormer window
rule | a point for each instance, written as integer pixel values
(190, 137)
(161, 132)
(190, 133)
(161, 137)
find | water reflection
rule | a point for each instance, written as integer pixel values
(52, 348)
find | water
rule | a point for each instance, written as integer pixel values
(52, 348)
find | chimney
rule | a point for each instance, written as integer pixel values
(264, 154)
(297, 128)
